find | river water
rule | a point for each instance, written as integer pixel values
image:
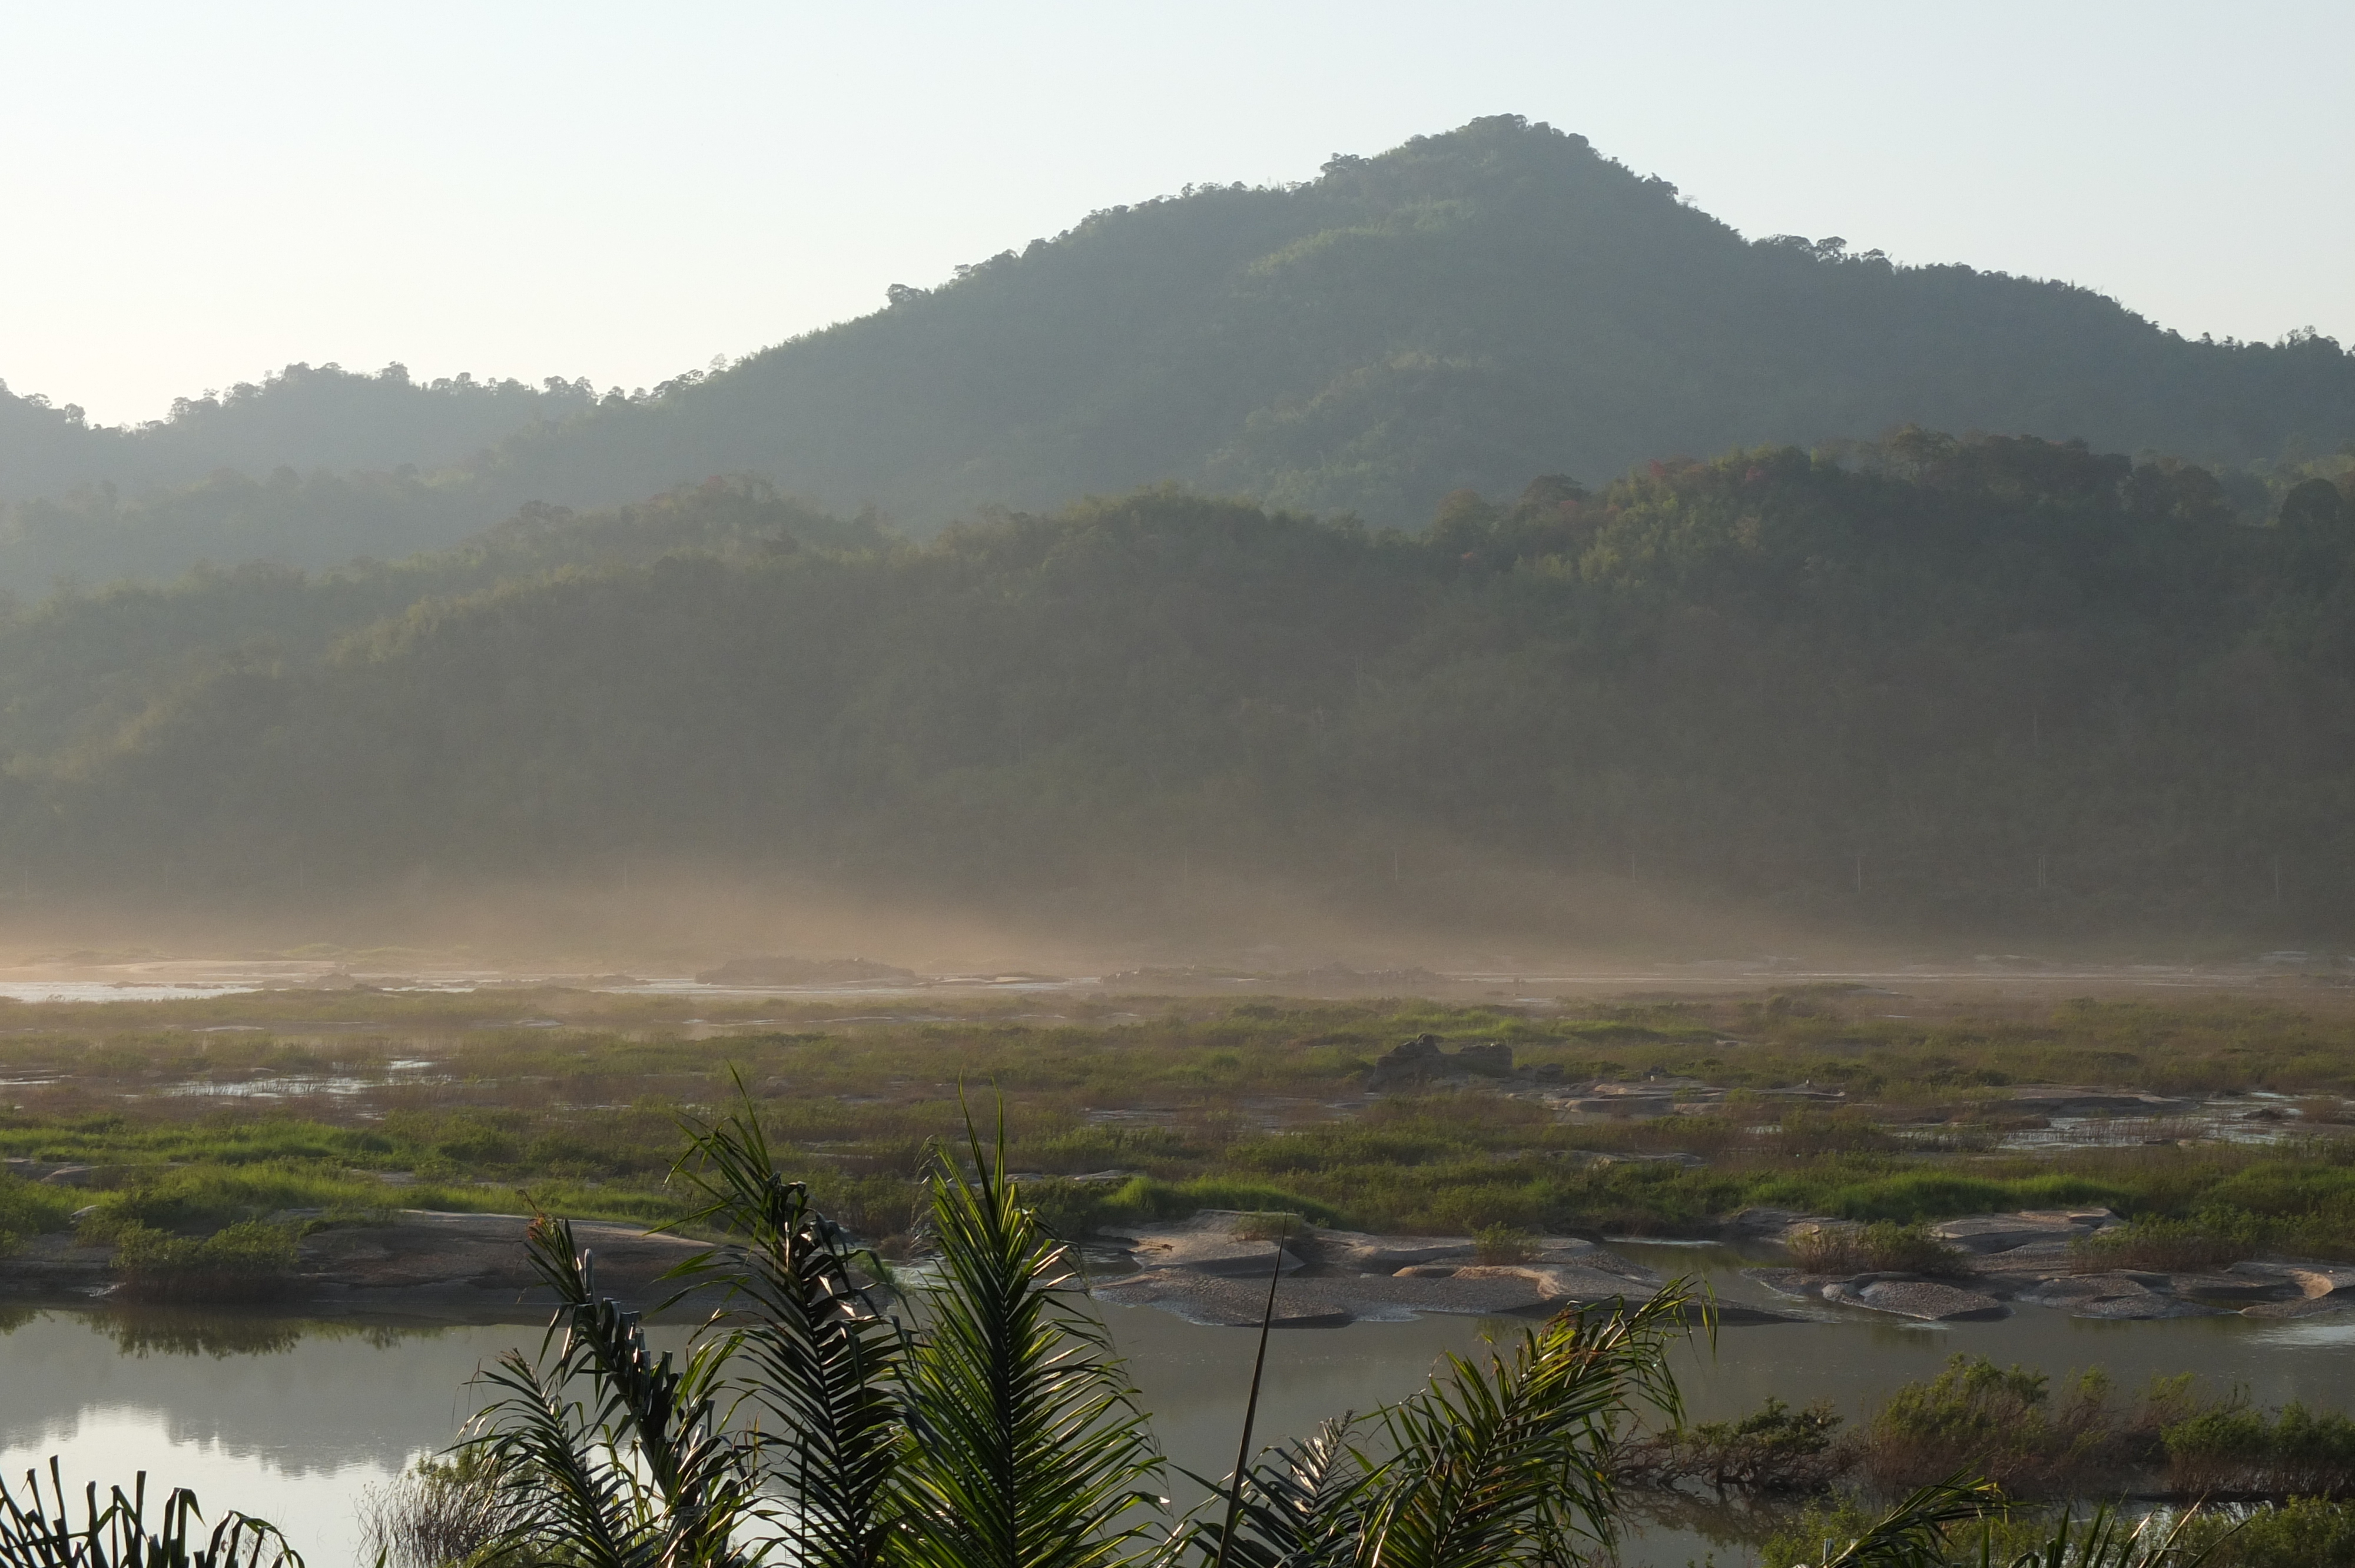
(294, 1420)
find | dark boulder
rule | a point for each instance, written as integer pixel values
(1420, 1060)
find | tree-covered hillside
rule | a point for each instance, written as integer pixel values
(310, 468)
(1463, 311)
(1987, 684)
(303, 418)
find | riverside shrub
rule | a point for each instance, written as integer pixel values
(250, 1260)
(1881, 1247)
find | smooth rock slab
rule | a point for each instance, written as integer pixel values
(426, 1256)
(2036, 1257)
(2317, 1283)
(1917, 1298)
(1224, 1301)
(2074, 1290)
(1386, 1254)
(2240, 1288)
(2147, 1307)
(1207, 1242)
(1325, 1300)
(2302, 1306)
(1569, 1282)
(1366, 1253)
(2029, 1227)
(1799, 1286)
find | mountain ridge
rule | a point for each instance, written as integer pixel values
(1463, 311)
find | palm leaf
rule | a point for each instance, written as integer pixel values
(821, 1357)
(1300, 1505)
(2104, 1542)
(1508, 1461)
(1029, 1449)
(638, 1472)
(35, 1532)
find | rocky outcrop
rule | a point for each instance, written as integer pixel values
(1214, 1243)
(1204, 1271)
(1910, 1296)
(2029, 1257)
(1422, 1060)
(474, 1260)
(1987, 1233)
(471, 1265)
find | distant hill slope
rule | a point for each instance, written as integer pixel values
(84, 670)
(1463, 311)
(303, 417)
(2000, 684)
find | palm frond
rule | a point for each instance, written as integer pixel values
(1507, 1461)
(638, 1472)
(1302, 1505)
(1913, 1535)
(1028, 1450)
(2104, 1542)
(822, 1357)
(37, 1532)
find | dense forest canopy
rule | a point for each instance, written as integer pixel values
(1461, 312)
(1969, 684)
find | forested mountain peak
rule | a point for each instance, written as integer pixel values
(1463, 310)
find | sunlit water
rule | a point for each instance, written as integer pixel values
(296, 1420)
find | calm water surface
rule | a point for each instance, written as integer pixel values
(294, 1420)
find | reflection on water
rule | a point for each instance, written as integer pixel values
(287, 1418)
(293, 1418)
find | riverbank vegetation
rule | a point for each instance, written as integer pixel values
(937, 1416)
(972, 1415)
(1121, 1109)
(2038, 1442)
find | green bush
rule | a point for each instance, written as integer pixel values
(2308, 1532)
(1881, 1247)
(30, 1208)
(1149, 1198)
(2237, 1451)
(2170, 1247)
(1502, 1244)
(1773, 1450)
(247, 1261)
(2004, 1424)
(1923, 1195)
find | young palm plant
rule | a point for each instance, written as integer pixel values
(1502, 1461)
(808, 1424)
(40, 1533)
(1919, 1532)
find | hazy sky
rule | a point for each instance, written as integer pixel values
(193, 196)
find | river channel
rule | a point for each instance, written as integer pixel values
(294, 1419)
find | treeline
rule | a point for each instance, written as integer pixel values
(304, 416)
(1461, 312)
(310, 467)
(1987, 684)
